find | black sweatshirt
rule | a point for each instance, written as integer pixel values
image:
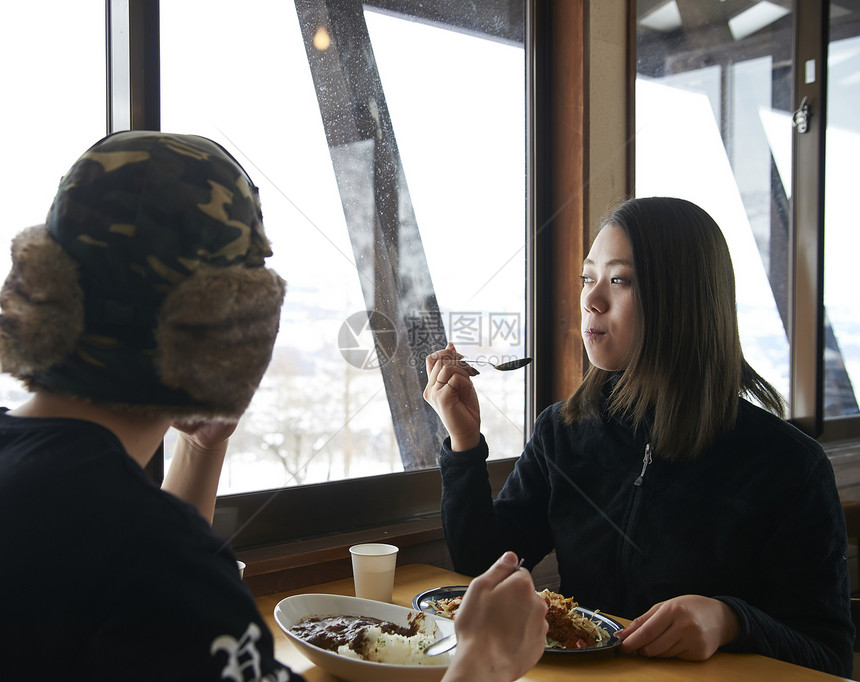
(754, 521)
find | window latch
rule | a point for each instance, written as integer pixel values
(800, 119)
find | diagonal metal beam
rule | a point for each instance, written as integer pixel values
(389, 255)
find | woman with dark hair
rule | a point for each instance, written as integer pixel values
(668, 496)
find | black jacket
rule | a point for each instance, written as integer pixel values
(754, 521)
(107, 577)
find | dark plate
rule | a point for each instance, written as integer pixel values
(424, 602)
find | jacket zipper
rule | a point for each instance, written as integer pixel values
(646, 460)
(627, 547)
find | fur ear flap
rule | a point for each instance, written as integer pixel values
(42, 303)
(215, 335)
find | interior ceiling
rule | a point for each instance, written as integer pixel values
(679, 35)
(719, 12)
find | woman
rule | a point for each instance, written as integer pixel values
(668, 498)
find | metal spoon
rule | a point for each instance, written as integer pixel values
(504, 366)
(440, 646)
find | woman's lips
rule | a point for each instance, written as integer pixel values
(592, 333)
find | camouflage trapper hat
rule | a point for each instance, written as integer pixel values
(146, 289)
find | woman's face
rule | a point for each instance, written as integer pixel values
(608, 312)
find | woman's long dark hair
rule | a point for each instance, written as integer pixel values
(686, 369)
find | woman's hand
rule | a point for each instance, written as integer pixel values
(501, 626)
(691, 627)
(451, 393)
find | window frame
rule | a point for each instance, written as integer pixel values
(806, 269)
(560, 38)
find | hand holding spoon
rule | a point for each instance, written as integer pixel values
(440, 646)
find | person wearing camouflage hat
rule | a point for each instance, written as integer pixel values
(146, 289)
(144, 299)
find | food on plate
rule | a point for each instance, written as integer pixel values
(568, 628)
(446, 607)
(372, 639)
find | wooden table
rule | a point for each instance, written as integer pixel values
(415, 578)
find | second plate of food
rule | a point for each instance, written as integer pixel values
(586, 631)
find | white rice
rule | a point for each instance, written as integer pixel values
(396, 649)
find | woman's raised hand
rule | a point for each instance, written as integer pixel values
(451, 393)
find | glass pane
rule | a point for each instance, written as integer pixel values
(842, 239)
(713, 126)
(458, 110)
(52, 76)
(324, 410)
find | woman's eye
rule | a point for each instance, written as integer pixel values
(618, 281)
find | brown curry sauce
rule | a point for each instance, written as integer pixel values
(331, 632)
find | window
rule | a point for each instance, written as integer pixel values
(716, 91)
(390, 152)
(841, 238)
(54, 107)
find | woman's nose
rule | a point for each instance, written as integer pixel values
(592, 299)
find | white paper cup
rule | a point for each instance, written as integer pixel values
(241, 565)
(373, 570)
